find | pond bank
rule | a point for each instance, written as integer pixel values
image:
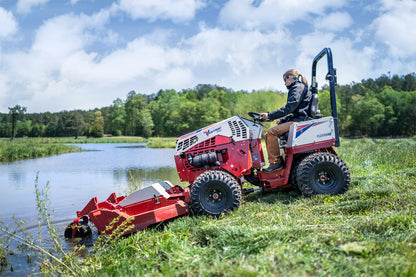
(29, 148)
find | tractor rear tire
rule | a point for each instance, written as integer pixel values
(215, 192)
(294, 171)
(323, 173)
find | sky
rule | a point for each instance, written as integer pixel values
(83, 54)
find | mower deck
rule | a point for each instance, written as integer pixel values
(142, 208)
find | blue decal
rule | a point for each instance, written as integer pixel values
(303, 129)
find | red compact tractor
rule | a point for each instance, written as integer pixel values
(217, 159)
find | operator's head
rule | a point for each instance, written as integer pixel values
(292, 75)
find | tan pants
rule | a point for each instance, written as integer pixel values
(272, 141)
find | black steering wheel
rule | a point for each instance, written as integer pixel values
(256, 117)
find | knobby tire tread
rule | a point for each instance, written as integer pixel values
(306, 169)
(215, 175)
(294, 171)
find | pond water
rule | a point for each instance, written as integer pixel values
(74, 179)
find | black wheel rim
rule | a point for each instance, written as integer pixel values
(215, 196)
(325, 178)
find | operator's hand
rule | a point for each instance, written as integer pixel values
(278, 122)
(264, 116)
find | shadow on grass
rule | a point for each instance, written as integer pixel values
(284, 196)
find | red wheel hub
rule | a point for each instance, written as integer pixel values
(323, 177)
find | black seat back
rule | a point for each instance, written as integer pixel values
(314, 111)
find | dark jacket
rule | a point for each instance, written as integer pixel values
(296, 108)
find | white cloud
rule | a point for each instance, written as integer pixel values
(175, 10)
(395, 27)
(25, 6)
(37, 71)
(352, 64)
(8, 24)
(240, 59)
(63, 65)
(241, 51)
(58, 69)
(336, 21)
(242, 13)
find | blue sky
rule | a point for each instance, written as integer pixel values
(80, 54)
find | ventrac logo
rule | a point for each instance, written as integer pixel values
(209, 132)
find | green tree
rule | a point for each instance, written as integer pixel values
(15, 112)
(97, 128)
(37, 130)
(408, 116)
(75, 123)
(165, 111)
(368, 117)
(410, 82)
(146, 124)
(116, 117)
(134, 113)
(23, 128)
(190, 116)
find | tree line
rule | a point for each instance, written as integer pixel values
(385, 106)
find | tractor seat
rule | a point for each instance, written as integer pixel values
(283, 139)
(314, 111)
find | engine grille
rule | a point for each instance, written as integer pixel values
(238, 128)
(186, 143)
(207, 143)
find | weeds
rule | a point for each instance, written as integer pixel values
(161, 142)
(51, 261)
(18, 149)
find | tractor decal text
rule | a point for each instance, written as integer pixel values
(324, 135)
(195, 132)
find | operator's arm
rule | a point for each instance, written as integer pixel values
(293, 99)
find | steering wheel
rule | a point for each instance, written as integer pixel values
(256, 117)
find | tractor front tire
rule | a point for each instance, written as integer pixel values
(322, 173)
(215, 192)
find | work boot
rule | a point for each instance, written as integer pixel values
(273, 167)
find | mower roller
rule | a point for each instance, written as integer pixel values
(217, 159)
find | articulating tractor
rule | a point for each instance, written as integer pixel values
(216, 160)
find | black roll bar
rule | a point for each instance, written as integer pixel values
(331, 76)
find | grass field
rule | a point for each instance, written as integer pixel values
(368, 231)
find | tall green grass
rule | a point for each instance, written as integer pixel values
(27, 148)
(161, 142)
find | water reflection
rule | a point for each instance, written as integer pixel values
(139, 177)
(75, 178)
(18, 179)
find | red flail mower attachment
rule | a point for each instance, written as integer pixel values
(125, 215)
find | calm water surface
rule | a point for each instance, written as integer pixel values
(75, 178)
